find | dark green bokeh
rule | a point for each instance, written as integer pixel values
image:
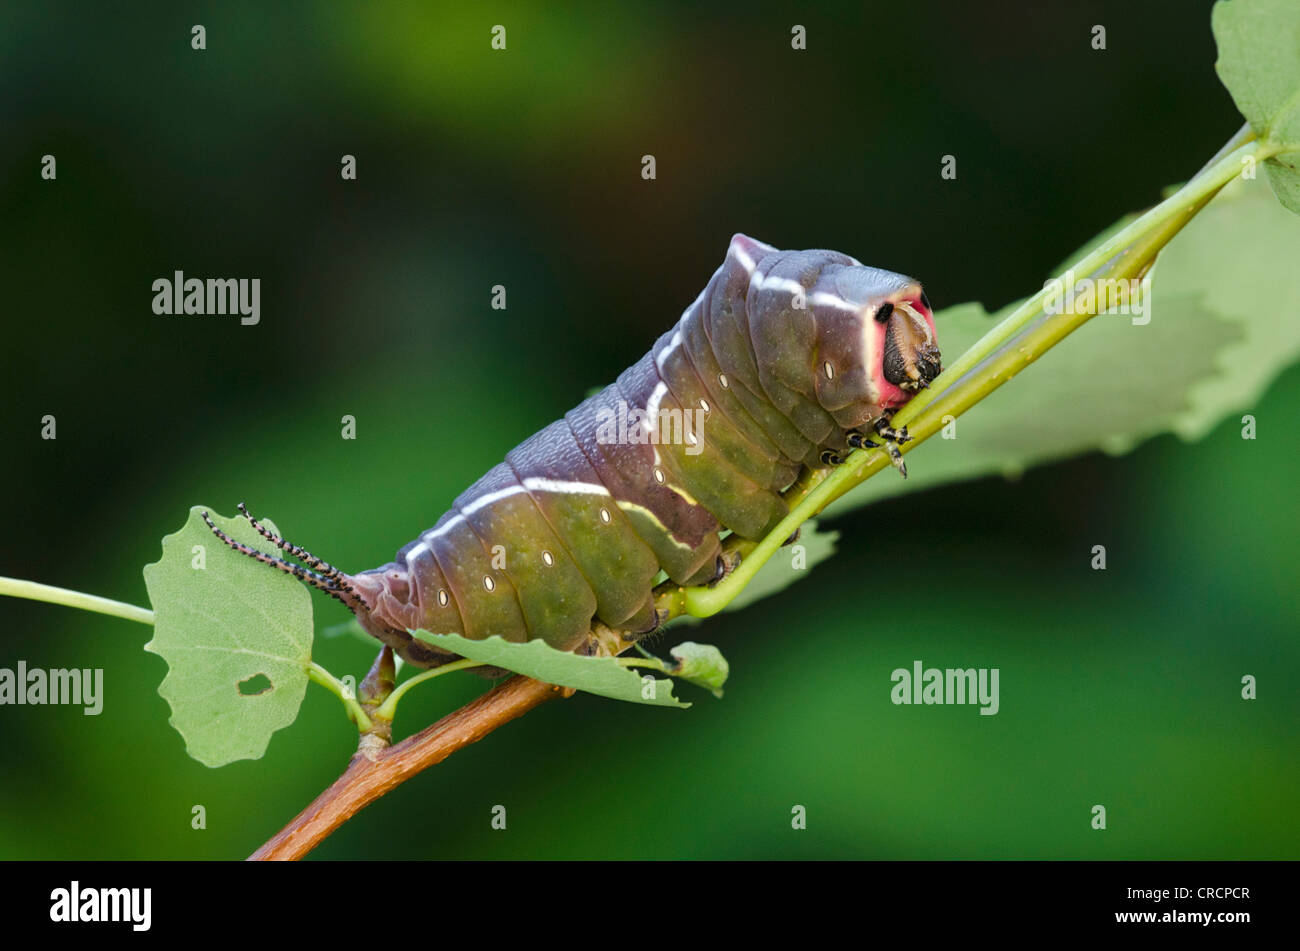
(523, 168)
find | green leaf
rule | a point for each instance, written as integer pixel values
(223, 620)
(1259, 63)
(604, 676)
(1236, 260)
(1223, 326)
(702, 665)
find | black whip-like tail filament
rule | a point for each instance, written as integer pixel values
(333, 584)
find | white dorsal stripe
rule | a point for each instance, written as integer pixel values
(782, 283)
(740, 255)
(651, 419)
(822, 298)
(569, 488)
(413, 554)
(652, 405)
(441, 530)
(485, 500)
(531, 484)
(699, 299)
(827, 299)
(673, 344)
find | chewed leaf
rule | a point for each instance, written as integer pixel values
(1259, 63)
(236, 637)
(702, 665)
(599, 675)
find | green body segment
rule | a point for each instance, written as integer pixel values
(553, 594)
(617, 564)
(483, 593)
(688, 550)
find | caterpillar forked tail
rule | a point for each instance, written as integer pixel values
(326, 578)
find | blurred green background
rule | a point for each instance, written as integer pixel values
(523, 168)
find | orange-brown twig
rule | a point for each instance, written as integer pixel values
(372, 773)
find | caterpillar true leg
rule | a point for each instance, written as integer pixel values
(885, 431)
(893, 437)
(896, 458)
(857, 440)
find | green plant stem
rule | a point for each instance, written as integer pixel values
(388, 709)
(17, 588)
(335, 686)
(1127, 254)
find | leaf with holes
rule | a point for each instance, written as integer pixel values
(236, 639)
(603, 676)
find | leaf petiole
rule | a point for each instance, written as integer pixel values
(388, 709)
(32, 591)
(335, 686)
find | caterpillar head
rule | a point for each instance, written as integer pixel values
(858, 340)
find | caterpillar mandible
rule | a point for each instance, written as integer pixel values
(789, 358)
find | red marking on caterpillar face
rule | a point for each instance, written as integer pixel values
(904, 346)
